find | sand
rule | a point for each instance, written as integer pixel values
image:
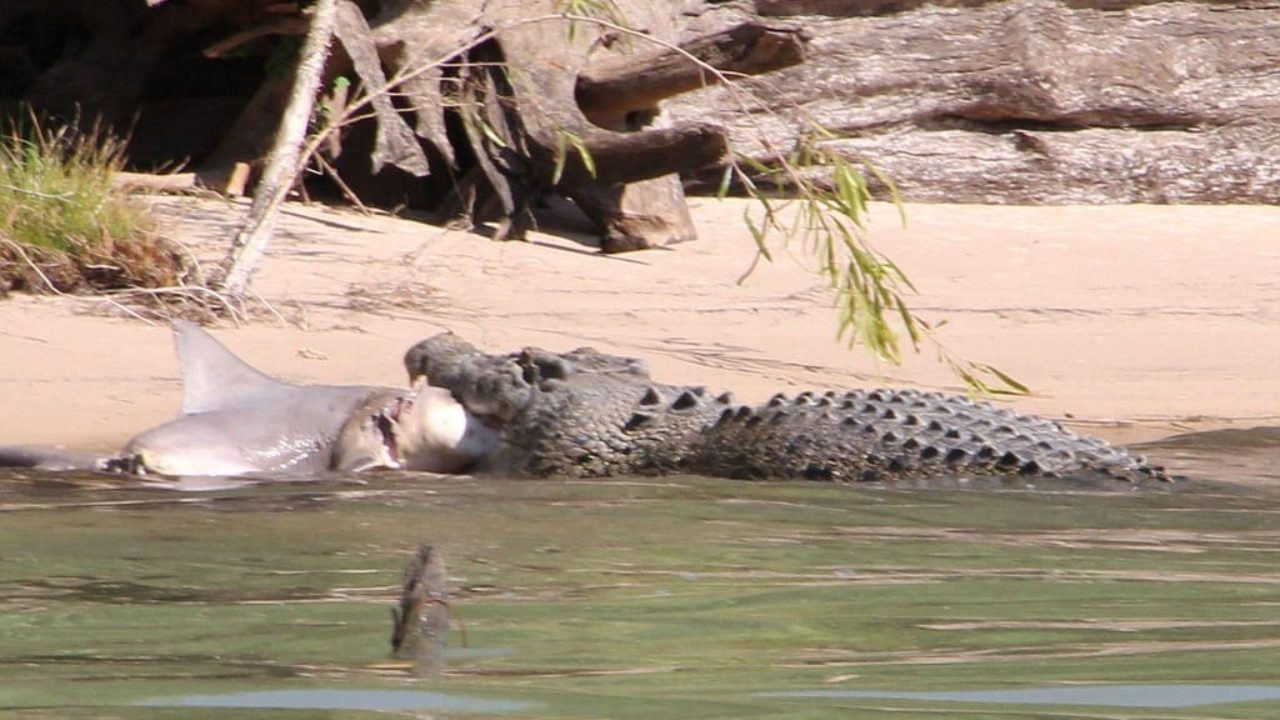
(1131, 322)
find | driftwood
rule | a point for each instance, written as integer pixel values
(472, 106)
(1033, 101)
(535, 106)
(513, 94)
(232, 183)
(171, 183)
(489, 88)
(623, 93)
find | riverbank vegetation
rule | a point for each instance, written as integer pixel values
(64, 226)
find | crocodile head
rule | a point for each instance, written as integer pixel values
(579, 413)
(489, 386)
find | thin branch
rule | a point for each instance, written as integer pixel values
(31, 264)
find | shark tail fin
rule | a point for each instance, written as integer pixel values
(212, 376)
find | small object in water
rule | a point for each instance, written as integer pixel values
(420, 625)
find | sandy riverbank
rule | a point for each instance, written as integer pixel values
(1133, 322)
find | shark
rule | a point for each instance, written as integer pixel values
(237, 420)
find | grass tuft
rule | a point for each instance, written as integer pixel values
(63, 226)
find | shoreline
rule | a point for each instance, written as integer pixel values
(1128, 322)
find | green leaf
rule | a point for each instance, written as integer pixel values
(1017, 387)
(588, 162)
(756, 165)
(561, 153)
(894, 195)
(909, 322)
(726, 178)
(490, 133)
(759, 236)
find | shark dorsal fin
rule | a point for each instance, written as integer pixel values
(213, 378)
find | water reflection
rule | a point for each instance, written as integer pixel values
(640, 597)
(1151, 696)
(1242, 456)
(320, 699)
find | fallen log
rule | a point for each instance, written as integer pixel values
(171, 183)
(231, 183)
(642, 155)
(610, 91)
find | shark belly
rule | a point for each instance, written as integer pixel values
(293, 431)
(220, 443)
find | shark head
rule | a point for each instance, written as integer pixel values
(436, 433)
(425, 429)
(370, 438)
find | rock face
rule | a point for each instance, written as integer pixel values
(1028, 101)
(588, 414)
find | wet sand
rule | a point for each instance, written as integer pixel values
(1131, 322)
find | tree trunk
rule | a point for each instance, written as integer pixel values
(282, 169)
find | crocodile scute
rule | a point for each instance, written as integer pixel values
(589, 414)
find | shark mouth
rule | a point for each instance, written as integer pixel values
(387, 423)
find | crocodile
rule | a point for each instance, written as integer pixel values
(585, 413)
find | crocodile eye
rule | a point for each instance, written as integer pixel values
(552, 368)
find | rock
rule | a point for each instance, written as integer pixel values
(1028, 101)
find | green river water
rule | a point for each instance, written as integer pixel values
(681, 597)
